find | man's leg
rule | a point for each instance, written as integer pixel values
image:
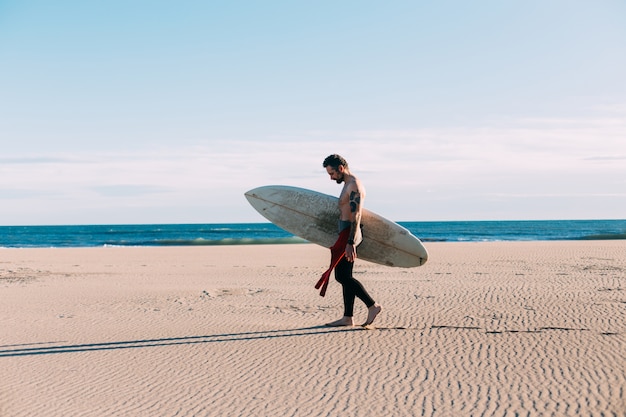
(343, 270)
(343, 274)
(352, 288)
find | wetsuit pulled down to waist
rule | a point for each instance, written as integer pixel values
(346, 224)
(337, 252)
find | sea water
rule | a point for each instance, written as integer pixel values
(267, 233)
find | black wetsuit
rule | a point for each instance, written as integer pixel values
(351, 287)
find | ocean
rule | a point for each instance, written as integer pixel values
(267, 233)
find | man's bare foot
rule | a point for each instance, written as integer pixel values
(344, 321)
(372, 312)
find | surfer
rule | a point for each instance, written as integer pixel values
(350, 207)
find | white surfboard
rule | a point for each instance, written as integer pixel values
(314, 216)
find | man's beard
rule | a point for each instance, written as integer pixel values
(340, 180)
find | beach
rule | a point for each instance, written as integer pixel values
(482, 329)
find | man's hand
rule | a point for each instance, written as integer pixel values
(350, 253)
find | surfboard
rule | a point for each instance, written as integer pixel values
(313, 216)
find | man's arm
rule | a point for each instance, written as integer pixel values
(355, 214)
(356, 204)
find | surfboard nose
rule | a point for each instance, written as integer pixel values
(252, 192)
(255, 193)
(262, 190)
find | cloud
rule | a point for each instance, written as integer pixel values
(409, 173)
(37, 160)
(24, 194)
(125, 190)
(607, 158)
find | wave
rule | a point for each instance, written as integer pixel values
(219, 242)
(604, 236)
(230, 234)
(600, 236)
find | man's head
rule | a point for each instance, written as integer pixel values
(336, 166)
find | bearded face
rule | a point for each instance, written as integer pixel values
(335, 175)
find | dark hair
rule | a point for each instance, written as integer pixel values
(335, 161)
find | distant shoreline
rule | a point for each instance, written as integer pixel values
(228, 234)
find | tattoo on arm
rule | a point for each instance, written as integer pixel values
(355, 201)
(355, 208)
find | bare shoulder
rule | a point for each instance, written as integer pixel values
(352, 188)
(357, 186)
(354, 193)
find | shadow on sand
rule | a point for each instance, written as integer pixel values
(40, 349)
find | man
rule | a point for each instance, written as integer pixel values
(350, 207)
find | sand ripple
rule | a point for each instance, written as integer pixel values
(494, 329)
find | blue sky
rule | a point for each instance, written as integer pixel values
(167, 112)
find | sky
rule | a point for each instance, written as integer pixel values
(135, 111)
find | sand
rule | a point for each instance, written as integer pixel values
(502, 329)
